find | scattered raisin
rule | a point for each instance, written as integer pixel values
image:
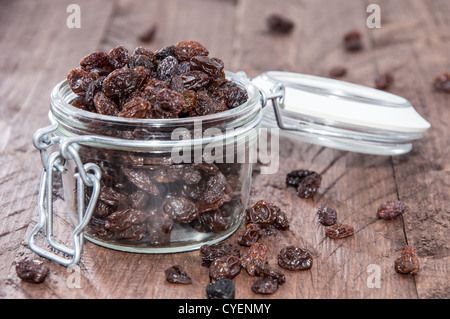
(251, 235)
(390, 209)
(337, 72)
(255, 257)
(278, 23)
(384, 81)
(149, 34)
(339, 231)
(353, 41)
(267, 271)
(294, 178)
(221, 289)
(177, 275)
(32, 271)
(442, 82)
(309, 186)
(225, 267)
(327, 216)
(407, 263)
(294, 258)
(265, 286)
(211, 252)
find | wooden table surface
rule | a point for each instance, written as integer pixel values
(38, 50)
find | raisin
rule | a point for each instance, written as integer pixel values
(251, 235)
(110, 196)
(278, 23)
(99, 62)
(225, 267)
(138, 107)
(265, 286)
(295, 258)
(353, 41)
(194, 80)
(123, 219)
(339, 231)
(204, 105)
(267, 271)
(221, 289)
(294, 178)
(78, 81)
(180, 209)
(255, 257)
(159, 226)
(210, 66)
(327, 216)
(234, 95)
(132, 233)
(208, 222)
(211, 252)
(337, 72)
(149, 34)
(169, 100)
(32, 271)
(167, 68)
(266, 215)
(185, 50)
(390, 210)
(165, 52)
(119, 57)
(177, 275)
(191, 175)
(141, 179)
(176, 84)
(407, 263)
(309, 186)
(384, 81)
(442, 82)
(120, 83)
(104, 105)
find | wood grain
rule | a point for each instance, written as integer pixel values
(413, 44)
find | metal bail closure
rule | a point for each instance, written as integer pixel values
(339, 114)
(88, 175)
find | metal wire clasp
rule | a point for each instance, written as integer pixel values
(88, 175)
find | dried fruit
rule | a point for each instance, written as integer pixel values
(295, 258)
(265, 286)
(32, 271)
(353, 41)
(390, 209)
(180, 209)
(309, 186)
(442, 82)
(337, 72)
(255, 257)
(221, 289)
(294, 178)
(225, 267)
(104, 105)
(278, 23)
(149, 34)
(384, 81)
(186, 50)
(339, 231)
(211, 252)
(327, 216)
(267, 271)
(407, 263)
(251, 235)
(177, 275)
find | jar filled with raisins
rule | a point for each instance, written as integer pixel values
(155, 150)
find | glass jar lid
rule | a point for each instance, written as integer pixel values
(339, 114)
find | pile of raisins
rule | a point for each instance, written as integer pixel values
(176, 81)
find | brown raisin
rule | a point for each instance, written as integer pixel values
(339, 231)
(137, 107)
(180, 209)
(278, 23)
(120, 83)
(255, 257)
(407, 263)
(327, 216)
(99, 62)
(265, 286)
(185, 50)
(337, 72)
(194, 80)
(295, 258)
(294, 178)
(177, 275)
(32, 271)
(390, 209)
(210, 66)
(384, 81)
(167, 68)
(225, 267)
(353, 41)
(149, 34)
(159, 226)
(309, 186)
(119, 56)
(211, 252)
(251, 235)
(221, 289)
(267, 271)
(104, 105)
(442, 82)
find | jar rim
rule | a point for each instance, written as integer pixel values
(60, 108)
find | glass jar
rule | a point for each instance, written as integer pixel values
(166, 185)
